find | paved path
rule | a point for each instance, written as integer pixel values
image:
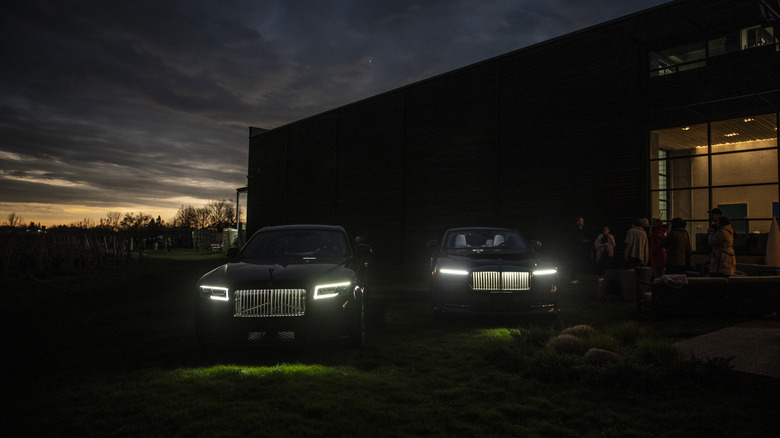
(754, 346)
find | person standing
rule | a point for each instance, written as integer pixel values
(678, 248)
(723, 261)
(715, 213)
(605, 250)
(657, 251)
(581, 249)
(637, 251)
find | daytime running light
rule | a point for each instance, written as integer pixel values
(453, 271)
(215, 293)
(329, 290)
(545, 272)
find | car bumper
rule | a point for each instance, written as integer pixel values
(218, 326)
(495, 303)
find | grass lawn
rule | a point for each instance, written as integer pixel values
(113, 353)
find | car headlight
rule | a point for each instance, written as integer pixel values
(331, 290)
(215, 293)
(453, 271)
(545, 272)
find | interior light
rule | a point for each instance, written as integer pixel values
(732, 134)
(686, 128)
(749, 119)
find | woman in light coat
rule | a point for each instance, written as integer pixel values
(723, 262)
(637, 252)
(605, 250)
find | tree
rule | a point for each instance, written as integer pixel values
(14, 220)
(185, 217)
(112, 220)
(85, 223)
(221, 213)
(202, 217)
(135, 222)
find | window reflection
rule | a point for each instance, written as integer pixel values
(695, 54)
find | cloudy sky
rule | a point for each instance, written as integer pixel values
(144, 106)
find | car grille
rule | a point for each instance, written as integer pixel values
(256, 303)
(500, 281)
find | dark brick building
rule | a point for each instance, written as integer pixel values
(664, 113)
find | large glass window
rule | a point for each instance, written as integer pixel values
(695, 54)
(684, 57)
(730, 164)
(663, 184)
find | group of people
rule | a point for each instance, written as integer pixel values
(665, 251)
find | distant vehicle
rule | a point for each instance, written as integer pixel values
(494, 271)
(216, 247)
(294, 283)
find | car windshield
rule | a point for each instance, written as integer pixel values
(484, 240)
(306, 243)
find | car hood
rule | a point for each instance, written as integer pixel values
(525, 260)
(269, 275)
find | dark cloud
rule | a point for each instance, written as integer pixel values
(147, 103)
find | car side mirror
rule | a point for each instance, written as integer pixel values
(536, 244)
(232, 252)
(433, 244)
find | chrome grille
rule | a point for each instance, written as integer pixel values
(500, 281)
(258, 303)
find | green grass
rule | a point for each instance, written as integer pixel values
(113, 353)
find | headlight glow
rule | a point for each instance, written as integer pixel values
(545, 272)
(215, 293)
(453, 271)
(330, 290)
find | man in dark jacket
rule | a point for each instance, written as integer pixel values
(678, 248)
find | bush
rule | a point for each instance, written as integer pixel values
(568, 344)
(605, 342)
(580, 331)
(532, 336)
(627, 333)
(659, 353)
(598, 356)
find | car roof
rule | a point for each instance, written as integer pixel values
(303, 227)
(454, 230)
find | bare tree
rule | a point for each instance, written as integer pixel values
(84, 223)
(221, 213)
(202, 215)
(185, 217)
(112, 220)
(14, 220)
(134, 222)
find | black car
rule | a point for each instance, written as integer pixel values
(292, 283)
(481, 270)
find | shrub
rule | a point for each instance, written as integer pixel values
(627, 333)
(605, 342)
(598, 356)
(580, 331)
(532, 336)
(549, 366)
(659, 353)
(568, 344)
